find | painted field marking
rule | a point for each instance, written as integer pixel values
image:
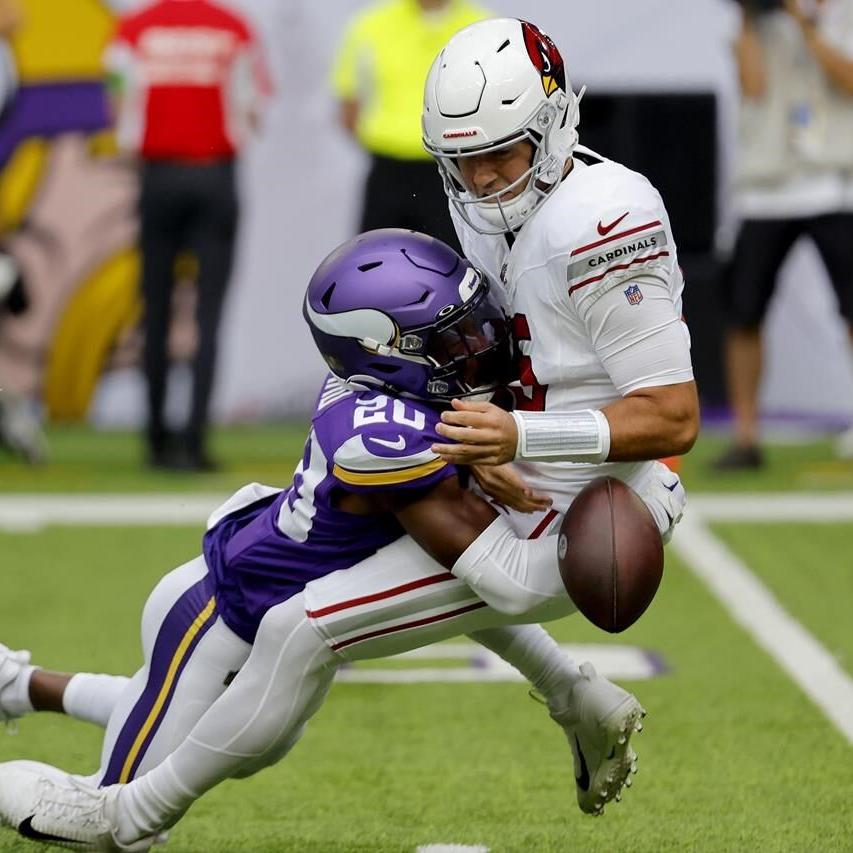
(773, 507)
(32, 511)
(451, 848)
(478, 664)
(754, 607)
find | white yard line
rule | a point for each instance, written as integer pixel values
(773, 507)
(451, 848)
(31, 511)
(474, 663)
(755, 608)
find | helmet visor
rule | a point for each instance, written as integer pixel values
(471, 351)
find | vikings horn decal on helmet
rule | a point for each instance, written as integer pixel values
(497, 83)
(401, 311)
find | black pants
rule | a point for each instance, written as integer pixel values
(184, 207)
(761, 248)
(407, 194)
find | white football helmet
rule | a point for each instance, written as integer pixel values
(497, 82)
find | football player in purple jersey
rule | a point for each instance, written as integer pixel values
(241, 644)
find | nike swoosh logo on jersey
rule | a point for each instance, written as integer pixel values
(604, 230)
(27, 829)
(399, 444)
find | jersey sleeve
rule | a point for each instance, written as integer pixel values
(639, 336)
(625, 236)
(392, 452)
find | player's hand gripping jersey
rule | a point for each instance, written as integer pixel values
(593, 287)
(264, 545)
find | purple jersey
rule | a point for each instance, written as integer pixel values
(266, 550)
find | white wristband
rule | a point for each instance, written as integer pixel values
(580, 436)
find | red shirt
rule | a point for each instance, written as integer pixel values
(189, 70)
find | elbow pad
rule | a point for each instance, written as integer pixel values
(511, 575)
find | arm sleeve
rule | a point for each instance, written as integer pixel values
(638, 334)
(511, 575)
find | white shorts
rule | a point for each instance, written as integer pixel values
(400, 598)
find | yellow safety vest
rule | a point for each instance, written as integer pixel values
(383, 63)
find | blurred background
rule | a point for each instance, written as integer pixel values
(662, 97)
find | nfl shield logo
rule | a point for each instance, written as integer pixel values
(634, 295)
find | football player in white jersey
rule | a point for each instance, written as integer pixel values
(588, 261)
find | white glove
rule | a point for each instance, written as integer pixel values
(665, 497)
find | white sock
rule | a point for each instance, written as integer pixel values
(92, 697)
(535, 654)
(151, 803)
(15, 696)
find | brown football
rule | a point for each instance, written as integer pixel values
(611, 554)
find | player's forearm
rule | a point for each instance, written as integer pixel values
(348, 111)
(446, 521)
(837, 66)
(653, 423)
(512, 575)
(749, 54)
(647, 424)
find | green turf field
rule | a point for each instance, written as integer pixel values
(734, 755)
(83, 460)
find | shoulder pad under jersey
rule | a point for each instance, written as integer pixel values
(384, 442)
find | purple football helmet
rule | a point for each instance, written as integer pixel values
(399, 310)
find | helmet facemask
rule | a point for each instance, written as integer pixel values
(469, 350)
(537, 182)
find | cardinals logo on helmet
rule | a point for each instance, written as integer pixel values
(545, 57)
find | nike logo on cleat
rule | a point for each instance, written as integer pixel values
(604, 230)
(27, 829)
(583, 779)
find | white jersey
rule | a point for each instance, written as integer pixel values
(593, 285)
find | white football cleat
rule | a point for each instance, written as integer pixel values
(46, 804)
(599, 718)
(12, 663)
